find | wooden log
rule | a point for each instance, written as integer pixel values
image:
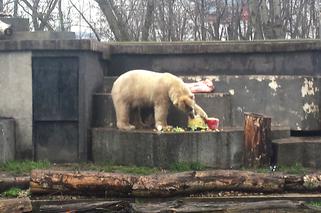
(103, 206)
(260, 206)
(257, 136)
(164, 185)
(86, 183)
(15, 205)
(202, 181)
(19, 182)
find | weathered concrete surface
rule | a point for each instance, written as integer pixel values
(148, 148)
(17, 24)
(215, 104)
(43, 35)
(277, 57)
(219, 58)
(291, 101)
(7, 139)
(222, 149)
(298, 150)
(16, 97)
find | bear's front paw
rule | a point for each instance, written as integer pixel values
(159, 127)
(126, 127)
(164, 128)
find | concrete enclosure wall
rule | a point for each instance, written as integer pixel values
(277, 78)
(16, 97)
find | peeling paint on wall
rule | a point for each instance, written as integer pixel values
(257, 77)
(240, 109)
(310, 108)
(273, 84)
(308, 87)
(200, 78)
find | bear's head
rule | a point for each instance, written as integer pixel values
(182, 97)
(186, 103)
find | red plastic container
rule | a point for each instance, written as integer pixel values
(212, 123)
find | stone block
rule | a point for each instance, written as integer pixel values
(298, 150)
(7, 139)
(149, 148)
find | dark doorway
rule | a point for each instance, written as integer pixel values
(55, 108)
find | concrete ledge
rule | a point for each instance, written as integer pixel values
(43, 35)
(148, 148)
(301, 150)
(7, 139)
(264, 46)
(159, 48)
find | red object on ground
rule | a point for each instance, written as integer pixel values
(204, 86)
(212, 123)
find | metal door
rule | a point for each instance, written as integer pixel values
(55, 108)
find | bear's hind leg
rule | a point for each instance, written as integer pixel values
(122, 116)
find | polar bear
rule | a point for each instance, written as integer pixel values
(143, 88)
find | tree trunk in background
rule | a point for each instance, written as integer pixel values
(15, 8)
(170, 34)
(61, 17)
(116, 24)
(202, 20)
(1, 6)
(254, 8)
(149, 18)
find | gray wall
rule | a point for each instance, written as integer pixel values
(16, 97)
(291, 101)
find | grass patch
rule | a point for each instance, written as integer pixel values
(293, 169)
(139, 170)
(183, 166)
(115, 168)
(22, 167)
(12, 192)
(314, 203)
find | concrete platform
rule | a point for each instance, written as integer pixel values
(149, 148)
(301, 150)
(215, 104)
(222, 149)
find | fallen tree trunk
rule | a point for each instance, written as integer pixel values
(9, 182)
(199, 181)
(103, 206)
(47, 182)
(260, 206)
(19, 205)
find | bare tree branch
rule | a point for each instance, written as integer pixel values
(86, 20)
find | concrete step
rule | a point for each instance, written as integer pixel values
(149, 148)
(301, 150)
(215, 104)
(223, 149)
